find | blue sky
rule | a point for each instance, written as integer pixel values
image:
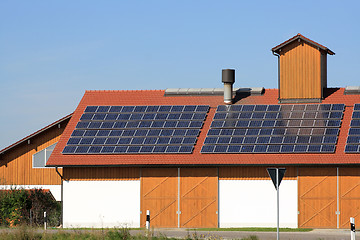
(52, 51)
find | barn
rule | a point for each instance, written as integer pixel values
(22, 164)
(198, 157)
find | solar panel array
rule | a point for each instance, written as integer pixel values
(137, 129)
(353, 139)
(307, 128)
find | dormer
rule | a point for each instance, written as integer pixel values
(302, 70)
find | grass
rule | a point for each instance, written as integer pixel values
(28, 233)
(255, 229)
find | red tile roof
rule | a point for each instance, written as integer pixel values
(156, 97)
(36, 133)
(299, 36)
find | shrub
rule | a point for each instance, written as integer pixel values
(28, 206)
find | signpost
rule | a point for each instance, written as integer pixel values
(276, 175)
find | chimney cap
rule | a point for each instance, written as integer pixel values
(228, 76)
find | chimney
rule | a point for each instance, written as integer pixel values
(228, 78)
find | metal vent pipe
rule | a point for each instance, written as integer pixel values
(228, 78)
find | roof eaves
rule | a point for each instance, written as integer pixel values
(299, 36)
(36, 133)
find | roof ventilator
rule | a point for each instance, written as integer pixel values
(228, 78)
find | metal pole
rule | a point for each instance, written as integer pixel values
(148, 220)
(277, 191)
(45, 220)
(352, 228)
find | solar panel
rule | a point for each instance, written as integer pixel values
(137, 129)
(290, 128)
(353, 139)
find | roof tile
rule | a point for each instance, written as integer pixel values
(156, 97)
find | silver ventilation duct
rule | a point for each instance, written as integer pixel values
(228, 78)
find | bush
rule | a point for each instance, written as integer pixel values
(28, 207)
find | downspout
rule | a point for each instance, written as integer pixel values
(62, 197)
(278, 56)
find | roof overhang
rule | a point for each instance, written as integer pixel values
(300, 37)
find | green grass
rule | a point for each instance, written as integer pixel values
(254, 229)
(28, 233)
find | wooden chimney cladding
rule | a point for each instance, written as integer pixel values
(302, 70)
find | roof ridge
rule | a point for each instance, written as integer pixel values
(300, 36)
(140, 90)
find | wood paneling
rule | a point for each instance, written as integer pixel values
(300, 72)
(252, 173)
(159, 194)
(349, 195)
(317, 197)
(199, 197)
(101, 173)
(16, 163)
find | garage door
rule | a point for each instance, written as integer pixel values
(349, 184)
(199, 197)
(159, 194)
(317, 197)
(194, 204)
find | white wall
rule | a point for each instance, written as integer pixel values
(252, 203)
(54, 189)
(101, 203)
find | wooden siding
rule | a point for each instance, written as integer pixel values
(300, 72)
(159, 194)
(252, 173)
(16, 164)
(349, 195)
(199, 197)
(317, 197)
(101, 173)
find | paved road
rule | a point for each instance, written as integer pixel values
(317, 234)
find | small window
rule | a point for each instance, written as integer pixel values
(40, 158)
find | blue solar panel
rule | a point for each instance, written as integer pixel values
(146, 149)
(69, 149)
(352, 148)
(111, 141)
(133, 149)
(137, 141)
(314, 148)
(207, 149)
(120, 149)
(159, 149)
(108, 149)
(180, 132)
(287, 148)
(185, 149)
(127, 109)
(211, 140)
(98, 141)
(82, 149)
(115, 109)
(327, 148)
(82, 125)
(234, 149)
(95, 149)
(172, 149)
(150, 140)
(273, 148)
(189, 140)
(247, 148)
(276, 128)
(300, 148)
(124, 141)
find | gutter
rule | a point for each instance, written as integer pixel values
(57, 171)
